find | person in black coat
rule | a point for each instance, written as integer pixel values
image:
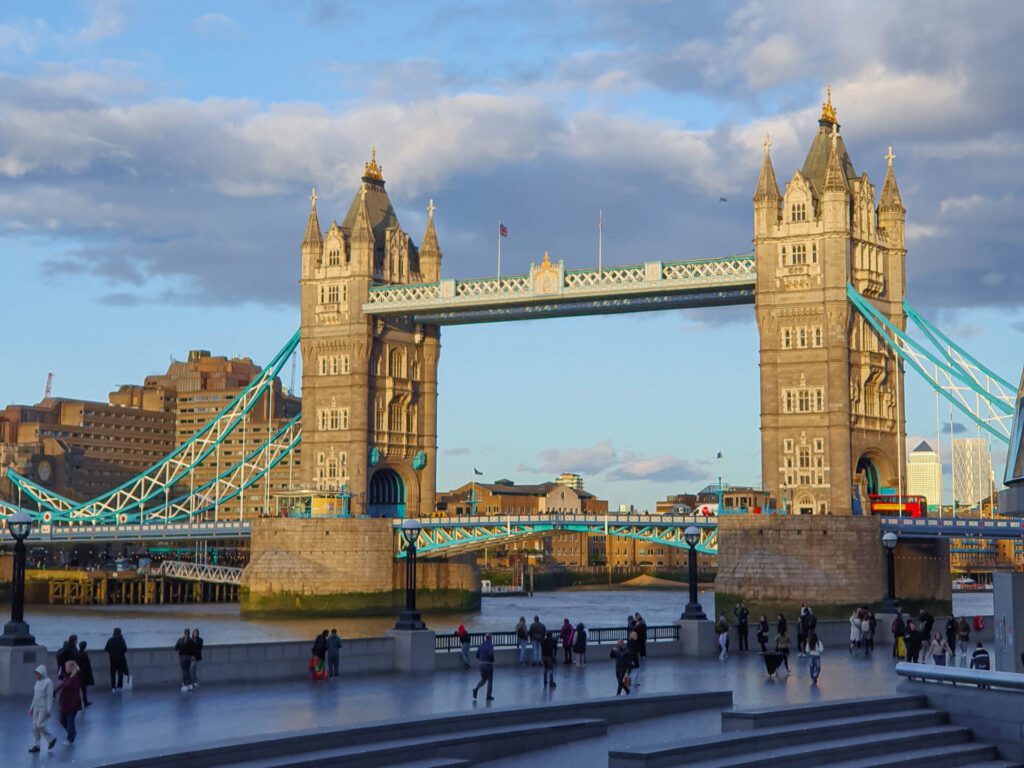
(68, 652)
(762, 633)
(84, 673)
(117, 652)
(640, 627)
(623, 663)
(186, 650)
(197, 656)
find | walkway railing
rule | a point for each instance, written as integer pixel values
(596, 636)
(981, 678)
(214, 574)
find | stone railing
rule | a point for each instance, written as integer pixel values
(595, 636)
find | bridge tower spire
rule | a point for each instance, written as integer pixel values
(829, 389)
(369, 384)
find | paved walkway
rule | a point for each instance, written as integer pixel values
(150, 719)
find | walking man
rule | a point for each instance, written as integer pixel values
(117, 652)
(184, 649)
(485, 658)
(963, 640)
(85, 673)
(523, 638)
(333, 653)
(742, 627)
(197, 656)
(548, 650)
(623, 663)
(641, 636)
(42, 701)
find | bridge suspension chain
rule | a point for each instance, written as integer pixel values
(132, 496)
(984, 397)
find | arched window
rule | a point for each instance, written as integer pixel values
(397, 364)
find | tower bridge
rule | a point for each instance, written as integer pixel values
(826, 278)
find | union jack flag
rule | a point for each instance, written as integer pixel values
(502, 230)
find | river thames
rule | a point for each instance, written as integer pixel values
(220, 623)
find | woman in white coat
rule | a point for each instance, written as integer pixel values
(42, 702)
(855, 631)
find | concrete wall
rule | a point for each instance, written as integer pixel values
(826, 560)
(345, 566)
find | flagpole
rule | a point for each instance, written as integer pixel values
(600, 231)
(499, 252)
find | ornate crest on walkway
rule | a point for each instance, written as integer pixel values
(547, 278)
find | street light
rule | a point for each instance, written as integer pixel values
(890, 604)
(16, 630)
(693, 609)
(410, 617)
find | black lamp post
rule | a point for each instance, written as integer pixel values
(693, 608)
(890, 604)
(16, 630)
(410, 617)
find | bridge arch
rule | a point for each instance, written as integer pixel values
(386, 494)
(874, 471)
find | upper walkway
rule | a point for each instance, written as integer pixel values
(550, 290)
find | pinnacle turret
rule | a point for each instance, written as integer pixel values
(890, 199)
(314, 237)
(835, 178)
(767, 186)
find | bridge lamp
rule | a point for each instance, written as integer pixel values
(890, 604)
(693, 609)
(410, 617)
(19, 525)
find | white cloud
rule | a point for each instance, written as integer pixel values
(106, 20)
(216, 24)
(961, 204)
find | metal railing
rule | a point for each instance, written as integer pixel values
(982, 678)
(596, 636)
(214, 574)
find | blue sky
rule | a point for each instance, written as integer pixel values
(156, 160)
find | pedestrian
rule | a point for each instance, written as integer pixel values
(855, 631)
(317, 665)
(926, 621)
(722, 630)
(579, 646)
(939, 649)
(68, 652)
(866, 635)
(184, 649)
(782, 646)
(951, 639)
(537, 633)
(461, 633)
(623, 663)
(912, 640)
(963, 639)
(762, 634)
(548, 651)
(485, 658)
(641, 635)
(814, 650)
(197, 656)
(523, 638)
(802, 629)
(980, 658)
(567, 633)
(898, 629)
(39, 709)
(742, 615)
(633, 646)
(117, 654)
(84, 673)
(783, 625)
(333, 643)
(69, 699)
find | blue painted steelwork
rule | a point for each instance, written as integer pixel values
(949, 377)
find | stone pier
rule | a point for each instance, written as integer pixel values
(346, 567)
(836, 560)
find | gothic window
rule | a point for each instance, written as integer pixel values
(787, 338)
(819, 445)
(822, 507)
(320, 459)
(323, 294)
(344, 364)
(396, 420)
(380, 418)
(803, 401)
(414, 368)
(814, 253)
(788, 406)
(344, 293)
(324, 419)
(343, 459)
(334, 257)
(782, 254)
(332, 294)
(804, 454)
(819, 399)
(332, 468)
(789, 463)
(397, 369)
(798, 212)
(802, 338)
(817, 336)
(334, 365)
(334, 418)
(787, 445)
(324, 363)
(799, 254)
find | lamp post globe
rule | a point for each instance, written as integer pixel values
(410, 617)
(890, 604)
(693, 610)
(19, 525)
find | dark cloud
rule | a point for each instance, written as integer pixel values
(958, 428)
(1018, 325)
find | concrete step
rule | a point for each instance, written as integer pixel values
(471, 744)
(740, 742)
(432, 762)
(833, 751)
(746, 719)
(963, 755)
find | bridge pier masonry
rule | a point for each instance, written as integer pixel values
(345, 566)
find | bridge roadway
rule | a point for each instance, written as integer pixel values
(451, 535)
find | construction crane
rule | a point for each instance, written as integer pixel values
(49, 385)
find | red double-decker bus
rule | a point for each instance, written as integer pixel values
(896, 506)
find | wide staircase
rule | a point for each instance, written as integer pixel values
(855, 733)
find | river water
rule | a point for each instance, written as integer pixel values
(220, 623)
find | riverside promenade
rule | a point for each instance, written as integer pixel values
(164, 718)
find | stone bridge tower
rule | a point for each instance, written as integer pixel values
(832, 406)
(369, 385)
